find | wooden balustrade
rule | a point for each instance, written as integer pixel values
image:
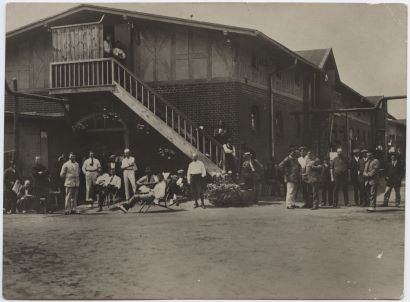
(108, 71)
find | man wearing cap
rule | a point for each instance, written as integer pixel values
(313, 172)
(291, 169)
(393, 175)
(371, 178)
(362, 162)
(148, 179)
(90, 168)
(303, 158)
(129, 167)
(195, 177)
(10, 177)
(41, 179)
(70, 173)
(354, 176)
(339, 175)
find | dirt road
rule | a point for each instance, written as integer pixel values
(261, 252)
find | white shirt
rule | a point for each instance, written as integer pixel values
(180, 182)
(302, 162)
(196, 167)
(229, 150)
(87, 167)
(128, 163)
(106, 179)
(159, 190)
(357, 158)
(107, 46)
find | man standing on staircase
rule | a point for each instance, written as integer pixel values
(195, 176)
(129, 167)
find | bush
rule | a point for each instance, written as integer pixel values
(228, 195)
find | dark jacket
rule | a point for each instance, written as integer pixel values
(9, 178)
(40, 175)
(393, 174)
(355, 169)
(313, 170)
(291, 169)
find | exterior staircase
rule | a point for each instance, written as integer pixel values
(110, 75)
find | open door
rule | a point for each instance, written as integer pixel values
(122, 33)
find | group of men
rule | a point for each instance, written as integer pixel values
(304, 172)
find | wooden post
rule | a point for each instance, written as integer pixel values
(16, 127)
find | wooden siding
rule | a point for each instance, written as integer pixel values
(29, 61)
(80, 42)
(171, 54)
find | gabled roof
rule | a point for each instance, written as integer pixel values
(374, 99)
(316, 56)
(166, 19)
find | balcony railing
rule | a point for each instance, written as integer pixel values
(108, 71)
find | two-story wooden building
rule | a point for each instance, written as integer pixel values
(179, 78)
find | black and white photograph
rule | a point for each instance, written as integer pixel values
(204, 150)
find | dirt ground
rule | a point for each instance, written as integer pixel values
(261, 252)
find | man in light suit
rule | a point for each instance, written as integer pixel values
(129, 167)
(70, 173)
(371, 179)
(91, 166)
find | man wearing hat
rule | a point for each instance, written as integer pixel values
(291, 169)
(70, 172)
(371, 178)
(362, 162)
(128, 166)
(339, 175)
(354, 176)
(393, 174)
(303, 158)
(10, 177)
(148, 179)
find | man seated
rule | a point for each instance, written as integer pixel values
(107, 186)
(154, 195)
(147, 181)
(177, 187)
(25, 197)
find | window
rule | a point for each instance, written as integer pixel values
(254, 118)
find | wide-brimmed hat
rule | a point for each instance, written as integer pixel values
(302, 148)
(356, 150)
(180, 171)
(112, 156)
(363, 151)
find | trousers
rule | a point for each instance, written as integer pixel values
(290, 194)
(197, 187)
(387, 193)
(340, 182)
(90, 180)
(313, 194)
(71, 196)
(129, 177)
(371, 194)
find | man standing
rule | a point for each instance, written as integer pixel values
(91, 166)
(70, 172)
(41, 180)
(354, 175)
(291, 170)
(230, 158)
(393, 175)
(339, 175)
(10, 177)
(303, 184)
(371, 177)
(313, 171)
(195, 176)
(362, 162)
(129, 167)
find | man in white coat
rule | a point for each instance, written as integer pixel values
(70, 173)
(91, 166)
(129, 167)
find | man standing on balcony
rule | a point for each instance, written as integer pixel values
(129, 167)
(91, 166)
(107, 46)
(195, 176)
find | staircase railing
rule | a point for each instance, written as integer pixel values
(108, 71)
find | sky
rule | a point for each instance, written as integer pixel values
(369, 41)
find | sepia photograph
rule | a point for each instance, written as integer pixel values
(204, 150)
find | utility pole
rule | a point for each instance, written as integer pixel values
(16, 127)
